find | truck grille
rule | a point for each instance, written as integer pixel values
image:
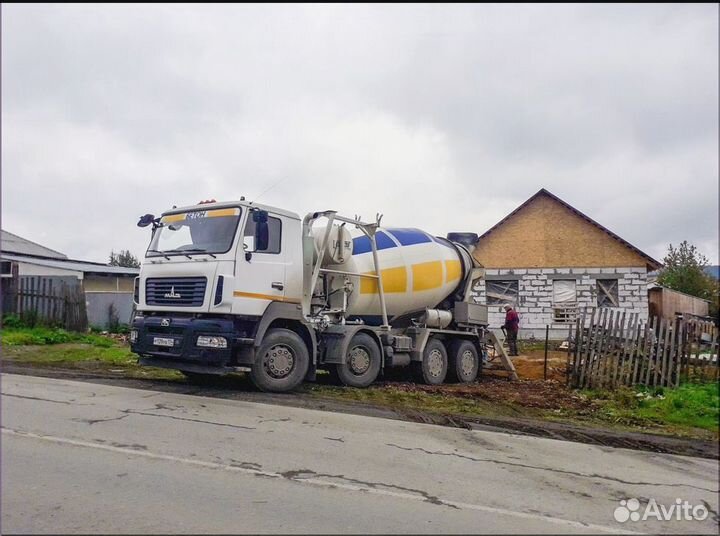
(175, 291)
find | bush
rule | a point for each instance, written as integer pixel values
(12, 321)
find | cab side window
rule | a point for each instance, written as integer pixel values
(266, 244)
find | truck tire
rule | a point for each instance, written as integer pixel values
(434, 365)
(281, 361)
(464, 362)
(362, 362)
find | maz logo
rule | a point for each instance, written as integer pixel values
(172, 294)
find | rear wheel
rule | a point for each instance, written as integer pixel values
(362, 362)
(434, 365)
(464, 363)
(281, 361)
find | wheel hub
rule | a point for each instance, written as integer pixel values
(435, 363)
(467, 362)
(359, 360)
(279, 361)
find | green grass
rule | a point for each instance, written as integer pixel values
(21, 336)
(693, 405)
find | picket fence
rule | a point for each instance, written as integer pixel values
(613, 348)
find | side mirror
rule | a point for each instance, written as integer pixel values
(262, 236)
(260, 216)
(146, 220)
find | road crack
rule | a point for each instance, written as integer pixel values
(176, 418)
(561, 471)
(298, 475)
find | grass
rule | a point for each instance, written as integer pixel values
(694, 405)
(21, 336)
(58, 348)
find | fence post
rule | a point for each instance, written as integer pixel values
(547, 333)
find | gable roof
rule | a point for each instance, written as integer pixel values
(12, 243)
(652, 263)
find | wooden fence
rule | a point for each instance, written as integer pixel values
(614, 348)
(46, 300)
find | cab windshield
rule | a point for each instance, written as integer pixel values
(197, 231)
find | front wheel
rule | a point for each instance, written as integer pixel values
(362, 362)
(281, 361)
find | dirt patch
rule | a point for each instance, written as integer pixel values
(524, 393)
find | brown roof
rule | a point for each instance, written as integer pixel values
(652, 263)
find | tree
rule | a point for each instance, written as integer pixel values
(684, 272)
(124, 258)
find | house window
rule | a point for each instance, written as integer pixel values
(501, 292)
(6, 269)
(607, 293)
(564, 301)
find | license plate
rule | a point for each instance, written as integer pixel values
(160, 341)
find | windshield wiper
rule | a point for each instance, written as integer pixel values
(193, 250)
(160, 252)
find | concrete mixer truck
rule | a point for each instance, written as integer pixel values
(240, 287)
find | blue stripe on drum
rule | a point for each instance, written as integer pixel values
(409, 237)
(361, 244)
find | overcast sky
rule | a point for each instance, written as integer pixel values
(441, 117)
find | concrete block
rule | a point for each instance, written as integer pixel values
(534, 271)
(562, 270)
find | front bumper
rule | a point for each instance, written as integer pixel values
(184, 354)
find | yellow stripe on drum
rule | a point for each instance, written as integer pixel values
(172, 218)
(427, 275)
(253, 295)
(453, 271)
(394, 280)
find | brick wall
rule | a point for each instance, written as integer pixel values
(535, 295)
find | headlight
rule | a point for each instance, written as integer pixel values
(212, 342)
(133, 335)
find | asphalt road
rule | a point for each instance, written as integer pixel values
(91, 458)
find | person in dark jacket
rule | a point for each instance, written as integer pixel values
(511, 326)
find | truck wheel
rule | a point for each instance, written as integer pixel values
(464, 363)
(281, 361)
(434, 365)
(362, 362)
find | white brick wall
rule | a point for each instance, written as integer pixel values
(535, 294)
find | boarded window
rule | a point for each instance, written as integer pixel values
(501, 292)
(607, 293)
(564, 292)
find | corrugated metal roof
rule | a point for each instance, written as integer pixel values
(78, 266)
(13, 243)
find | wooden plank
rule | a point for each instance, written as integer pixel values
(678, 352)
(649, 349)
(618, 354)
(669, 355)
(629, 340)
(657, 354)
(637, 354)
(586, 349)
(594, 346)
(597, 377)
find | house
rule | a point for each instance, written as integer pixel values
(550, 260)
(102, 284)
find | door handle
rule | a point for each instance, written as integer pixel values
(277, 285)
